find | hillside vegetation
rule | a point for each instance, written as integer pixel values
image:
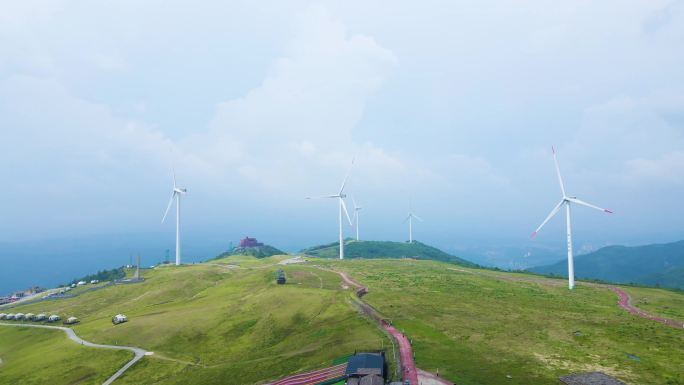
(655, 265)
(37, 356)
(263, 251)
(384, 249)
(224, 323)
(227, 322)
(480, 327)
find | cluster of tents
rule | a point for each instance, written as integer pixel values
(36, 318)
(117, 319)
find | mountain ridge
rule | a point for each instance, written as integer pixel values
(653, 265)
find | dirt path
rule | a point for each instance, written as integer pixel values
(625, 302)
(139, 353)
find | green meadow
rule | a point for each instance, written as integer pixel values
(228, 322)
(37, 356)
(216, 324)
(483, 327)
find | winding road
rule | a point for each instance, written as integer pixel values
(139, 353)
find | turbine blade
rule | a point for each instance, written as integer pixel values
(417, 217)
(344, 206)
(323, 197)
(560, 179)
(173, 195)
(173, 174)
(344, 182)
(407, 218)
(583, 203)
(553, 212)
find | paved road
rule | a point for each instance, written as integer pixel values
(139, 353)
(625, 302)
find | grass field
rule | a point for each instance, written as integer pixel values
(210, 324)
(227, 322)
(659, 302)
(482, 327)
(38, 356)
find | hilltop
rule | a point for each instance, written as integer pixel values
(655, 265)
(384, 249)
(263, 251)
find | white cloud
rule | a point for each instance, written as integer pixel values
(668, 168)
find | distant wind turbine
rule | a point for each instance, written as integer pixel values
(411, 216)
(566, 201)
(176, 194)
(343, 207)
(356, 217)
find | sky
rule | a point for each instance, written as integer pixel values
(260, 104)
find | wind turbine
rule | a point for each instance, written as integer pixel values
(176, 194)
(343, 207)
(566, 201)
(356, 217)
(411, 216)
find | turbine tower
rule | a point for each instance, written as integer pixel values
(356, 217)
(411, 216)
(566, 201)
(343, 207)
(176, 194)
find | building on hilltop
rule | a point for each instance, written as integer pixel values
(250, 242)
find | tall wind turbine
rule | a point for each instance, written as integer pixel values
(566, 201)
(176, 194)
(411, 216)
(343, 207)
(356, 217)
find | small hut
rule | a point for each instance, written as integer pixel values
(71, 321)
(54, 318)
(119, 319)
(280, 278)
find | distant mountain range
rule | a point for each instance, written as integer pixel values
(654, 265)
(384, 249)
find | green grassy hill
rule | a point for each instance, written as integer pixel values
(256, 252)
(657, 265)
(384, 249)
(37, 356)
(222, 323)
(479, 326)
(228, 322)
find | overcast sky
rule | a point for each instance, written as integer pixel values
(260, 104)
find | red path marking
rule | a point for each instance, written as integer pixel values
(315, 377)
(625, 302)
(408, 366)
